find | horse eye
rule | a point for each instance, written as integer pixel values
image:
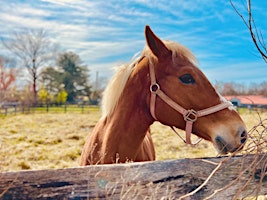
(187, 79)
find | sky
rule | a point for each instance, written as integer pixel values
(107, 33)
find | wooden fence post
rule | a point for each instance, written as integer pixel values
(82, 107)
(236, 178)
(15, 109)
(65, 107)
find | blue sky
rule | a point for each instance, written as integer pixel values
(107, 33)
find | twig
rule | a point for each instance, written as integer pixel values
(250, 23)
(9, 186)
(205, 182)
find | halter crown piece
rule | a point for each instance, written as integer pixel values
(190, 116)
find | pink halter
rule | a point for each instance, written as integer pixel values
(190, 116)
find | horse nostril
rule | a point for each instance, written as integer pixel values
(244, 134)
(243, 137)
(243, 140)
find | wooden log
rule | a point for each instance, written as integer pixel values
(153, 180)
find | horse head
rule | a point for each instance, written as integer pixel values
(182, 96)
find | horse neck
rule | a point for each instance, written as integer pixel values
(128, 124)
(133, 107)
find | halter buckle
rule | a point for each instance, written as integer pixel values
(154, 88)
(190, 116)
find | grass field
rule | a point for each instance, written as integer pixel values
(55, 140)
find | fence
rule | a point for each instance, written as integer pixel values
(72, 108)
(211, 178)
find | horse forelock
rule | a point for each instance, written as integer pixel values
(117, 83)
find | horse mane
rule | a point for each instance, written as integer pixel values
(117, 83)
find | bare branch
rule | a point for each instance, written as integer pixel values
(33, 49)
(256, 35)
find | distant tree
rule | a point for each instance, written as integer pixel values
(258, 88)
(95, 97)
(7, 74)
(253, 89)
(26, 97)
(51, 79)
(43, 95)
(7, 78)
(233, 88)
(264, 88)
(229, 89)
(74, 75)
(62, 97)
(33, 49)
(99, 86)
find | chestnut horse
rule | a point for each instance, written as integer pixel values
(163, 84)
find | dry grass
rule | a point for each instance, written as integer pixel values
(42, 141)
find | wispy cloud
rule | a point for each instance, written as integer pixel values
(105, 33)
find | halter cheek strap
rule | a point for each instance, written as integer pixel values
(190, 116)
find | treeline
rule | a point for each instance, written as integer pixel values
(232, 88)
(52, 77)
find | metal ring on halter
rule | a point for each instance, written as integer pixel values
(190, 116)
(154, 88)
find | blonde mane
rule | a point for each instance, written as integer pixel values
(117, 83)
(115, 87)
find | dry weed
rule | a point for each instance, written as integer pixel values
(257, 169)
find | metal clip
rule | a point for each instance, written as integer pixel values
(190, 116)
(154, 88)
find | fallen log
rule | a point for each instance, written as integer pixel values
(234, 177)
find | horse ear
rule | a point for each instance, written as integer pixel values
(155, 44)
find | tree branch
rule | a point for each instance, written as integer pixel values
(256, 36)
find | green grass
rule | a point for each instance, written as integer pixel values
(55, 139)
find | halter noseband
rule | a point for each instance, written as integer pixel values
(190, 116)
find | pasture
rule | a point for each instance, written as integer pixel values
(55, 140)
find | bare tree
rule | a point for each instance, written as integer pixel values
(255, 34)
(7, 77)
(32, 49)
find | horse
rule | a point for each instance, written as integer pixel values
(163, 84)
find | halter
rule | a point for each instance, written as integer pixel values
(190, 116)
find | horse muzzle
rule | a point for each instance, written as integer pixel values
(223, 146)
